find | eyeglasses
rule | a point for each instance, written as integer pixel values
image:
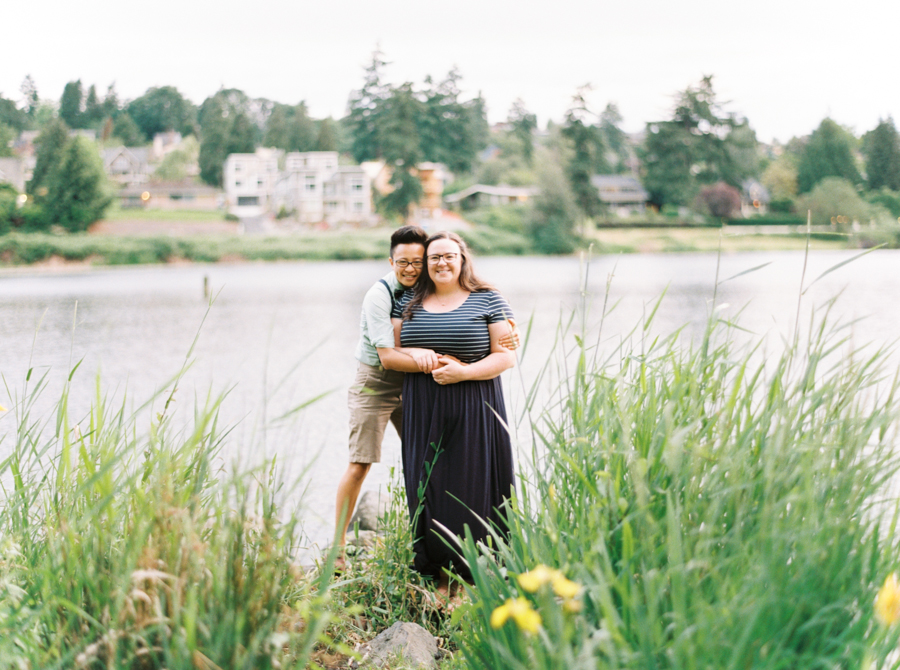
(404, 264)
(436, 258)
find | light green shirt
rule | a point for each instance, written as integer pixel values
(375, 328)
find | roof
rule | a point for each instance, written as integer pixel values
(502, 190)
(618, 189)
(134, 154)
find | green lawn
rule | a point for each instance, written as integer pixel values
(117, 213)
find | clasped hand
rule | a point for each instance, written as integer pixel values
(450, 371)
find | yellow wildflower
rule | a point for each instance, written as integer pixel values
(887, 604)
(565, 588)
(520, 611)
(572, 606)
(532, 580)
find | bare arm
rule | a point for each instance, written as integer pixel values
(498, 361)
(407, 359)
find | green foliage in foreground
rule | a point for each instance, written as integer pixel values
(122, 550)
(718, 509)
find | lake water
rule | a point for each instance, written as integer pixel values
(278, 334)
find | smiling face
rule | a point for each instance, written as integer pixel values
(410, 256)
(443, 272)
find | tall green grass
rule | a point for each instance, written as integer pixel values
(126, 543)
(719, 508)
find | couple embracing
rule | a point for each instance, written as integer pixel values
(435, 335)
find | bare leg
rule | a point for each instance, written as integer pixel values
(347, 493)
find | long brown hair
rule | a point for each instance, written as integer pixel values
(468, 280)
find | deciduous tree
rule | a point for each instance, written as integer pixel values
(161, 109)
(225, 128)
(326, 139)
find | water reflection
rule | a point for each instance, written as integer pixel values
(278, 334)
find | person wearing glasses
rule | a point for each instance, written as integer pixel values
(457, 455)
(374, 397)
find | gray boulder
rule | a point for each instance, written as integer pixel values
(371, 505)
(404, 639)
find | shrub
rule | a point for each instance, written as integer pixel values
(719, 200)
(832, 198)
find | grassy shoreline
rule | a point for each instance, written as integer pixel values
(18, 249)
(684, 505)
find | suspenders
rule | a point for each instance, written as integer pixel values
(390, 293)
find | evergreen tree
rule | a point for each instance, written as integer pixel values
(12, 116)
(701, 144)
(30, 98)
(93, 111)
(70, 104)
(828, 153)
(523, 123)
(883, 157)
(111, 107)
(327, 138)
(365, 107)
(126, 130)
(76, 193)
(448, 128)
(49, 147)
(614, 138)
(399, 138)
(588, 156)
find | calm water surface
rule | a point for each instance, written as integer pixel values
(279, 334)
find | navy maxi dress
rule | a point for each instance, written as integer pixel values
(457, 456)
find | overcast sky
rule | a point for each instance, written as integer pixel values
(784, 64)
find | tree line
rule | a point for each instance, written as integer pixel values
(697, 158)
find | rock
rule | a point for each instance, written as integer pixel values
(415, 644)
(370, 507)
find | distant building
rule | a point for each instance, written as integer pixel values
(754, 198)
(481, 195)
(623, 194)
(127, 165)
(171, 195)
(433, 177)
(249, 181)
(314, 187)
(12, 171)
(164, 144)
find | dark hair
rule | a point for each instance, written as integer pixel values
(407, 235)
(468, 280)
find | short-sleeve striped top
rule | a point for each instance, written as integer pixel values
(462, 332)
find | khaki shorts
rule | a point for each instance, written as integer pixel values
(374, 399)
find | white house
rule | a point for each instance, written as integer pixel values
(249, 181)
(314, 187)
(127, 165)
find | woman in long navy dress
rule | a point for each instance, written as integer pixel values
(457, 456)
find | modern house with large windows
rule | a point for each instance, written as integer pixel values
(310, 186)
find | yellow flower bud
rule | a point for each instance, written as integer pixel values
(887, 604)
(532, 580)
(520, 611)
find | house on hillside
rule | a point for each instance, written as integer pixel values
(481, 195)
(127, 166)
(171, 195)
(622, 194)
(12, 171)
(315, 187)
(249, 181)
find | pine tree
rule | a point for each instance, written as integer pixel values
(399, 138)
(828, 153)
(365, 108)
(589, 156)
(883, 157)
(523, 123)
(327, 137)
(70, 104)
(49, 147)
(76, 193)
